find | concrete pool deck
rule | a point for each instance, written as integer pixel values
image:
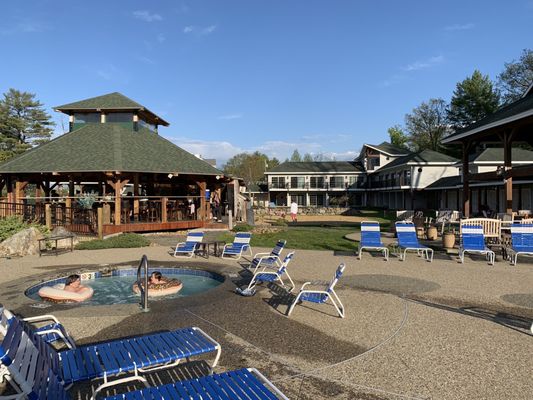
(413, 330)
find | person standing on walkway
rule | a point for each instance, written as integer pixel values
(294, 211)
(217, 216)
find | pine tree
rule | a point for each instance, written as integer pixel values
(473, 99)
(23, 123)
(296, 157)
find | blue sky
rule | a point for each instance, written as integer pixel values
(232, 76)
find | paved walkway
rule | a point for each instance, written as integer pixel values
(413, 330)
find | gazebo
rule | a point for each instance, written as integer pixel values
(114, 156)
(510, 125)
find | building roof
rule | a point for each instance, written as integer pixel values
(388, 148)
(112, 101)
(446, 182)
(422, 157)
(521, 108)
(495, 155)
(257, 188)
(108, 147)
(307, 167)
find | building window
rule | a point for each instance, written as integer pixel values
(278, 182)
(298, 198)
(316, 200)
(87, 118)
(317, 182)
(336, 182)
(119, 117)
(297, 182)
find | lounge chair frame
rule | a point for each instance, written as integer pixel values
(240, 244)
(473, 241)
(522, 241)
(372, 245)
(270, 260)
(189, 247)
(403, 228)
(327, 293)
(272, 276)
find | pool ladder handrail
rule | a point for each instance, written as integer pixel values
(143, 286)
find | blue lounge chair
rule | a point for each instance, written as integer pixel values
(271, 260)
(407, 241)
(371, 239)
(52, 330)
(129, 355)
(522, 241)
(189, 247)
(272, 276)
(473, 241)
(321, 295)
(240, 244)
(32, 373)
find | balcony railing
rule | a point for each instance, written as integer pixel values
(315, 186)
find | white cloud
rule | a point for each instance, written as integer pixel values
(146, 60)
(146, 16)
(231, 116)
(423, 64)
(459, 27)
(161, 38)
(200, 31)
(222, 150)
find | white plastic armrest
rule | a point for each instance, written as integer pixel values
(261, 254)
(178, 245)
(61, 335)
(42, 318)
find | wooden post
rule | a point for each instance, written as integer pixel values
(466, 180)
(202, 213)
(136, 198)
(164, 201)
(508, 166)
(10, 200)
(100, 222)
(48, 216)
(117, 201)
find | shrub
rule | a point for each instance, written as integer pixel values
(242, 228)
(126, 240)
(14, 224)
(279, 222)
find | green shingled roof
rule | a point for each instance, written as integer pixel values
(389, 148)
(421, 157)
(111, 101)
(108, 147)
(495, 154)
(520, 109)
(316, 167)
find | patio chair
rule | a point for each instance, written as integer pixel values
(136, 354)
(407, 241)
(188, 248)
(522, 241)
(321, 296)
(271, 260)
(52, 330)
(41, 382)
(240, 244)
(473, 241)
(371, 239)
(272, 276)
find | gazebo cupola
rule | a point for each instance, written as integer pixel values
(112, 108)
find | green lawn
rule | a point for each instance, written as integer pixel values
(307, 238)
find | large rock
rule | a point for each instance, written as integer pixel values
(64, 243)
(23, 243)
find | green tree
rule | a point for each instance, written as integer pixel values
(473, 99)
(308, 157)
(516, 77)
(428, 124)
(296, 157)
(23, 123)
(250, 167)
(398, 137)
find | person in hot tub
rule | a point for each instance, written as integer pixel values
(73, 284)
(156, 278)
